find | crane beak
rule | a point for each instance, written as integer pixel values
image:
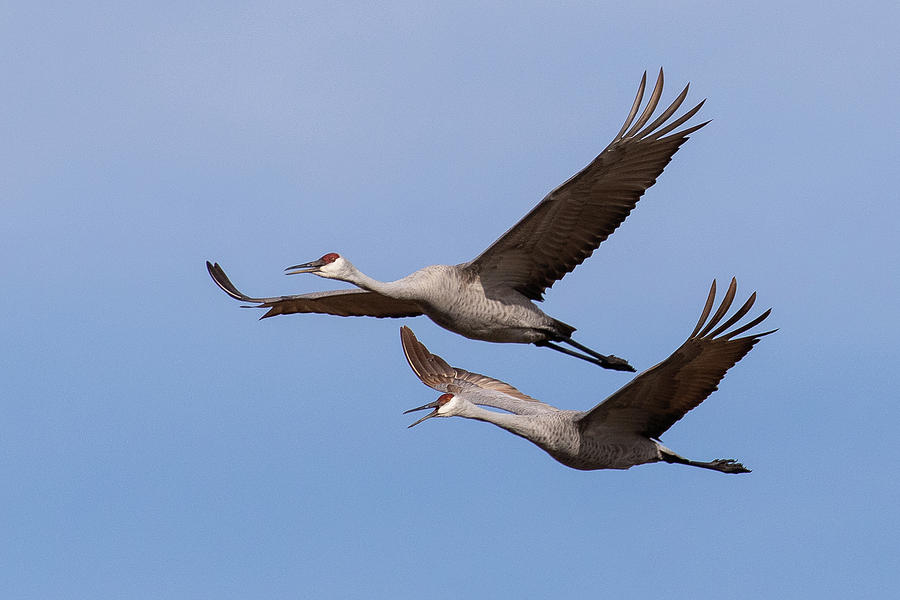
(434, 413)
(310, 267)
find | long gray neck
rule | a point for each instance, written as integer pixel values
(521, 425)
(393, 289)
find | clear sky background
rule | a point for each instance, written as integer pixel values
(157, 441)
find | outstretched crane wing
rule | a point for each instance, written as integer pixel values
(657, 398)
(571, 221)
(343, 303)
(479, 389)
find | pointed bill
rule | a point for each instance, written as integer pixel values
(435, 405)
(309, 267)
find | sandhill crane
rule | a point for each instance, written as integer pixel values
(491, 297)
(623, 430)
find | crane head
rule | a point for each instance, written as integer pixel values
(444, 406)
(330, 266)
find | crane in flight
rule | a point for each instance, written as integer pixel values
(623, 430)
(492, 297)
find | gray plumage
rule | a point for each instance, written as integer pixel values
(492, 297)
(623, 430)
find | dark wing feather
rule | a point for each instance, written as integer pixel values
(568, 225)
(479, 389)
(343, 303)
(657, 398)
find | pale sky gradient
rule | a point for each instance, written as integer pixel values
(157, 441)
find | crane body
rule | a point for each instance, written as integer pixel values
(455, 298)
(492, 297)
(623, 430)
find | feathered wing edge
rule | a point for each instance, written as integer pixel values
(342, 303)
(657, 398)
(437, 374)
(565, 228)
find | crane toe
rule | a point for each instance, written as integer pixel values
(617, 364)
(729, 465)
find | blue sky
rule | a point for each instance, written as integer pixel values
(159, 442)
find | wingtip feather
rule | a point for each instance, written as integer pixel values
(710, 298)
(221, 279)
(652, 103)
(723, 308)
(634, 107)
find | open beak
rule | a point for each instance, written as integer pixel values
(310, 267)
(434, 413)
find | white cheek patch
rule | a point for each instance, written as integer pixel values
(446, 406)
(334, 266)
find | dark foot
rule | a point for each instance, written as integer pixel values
(728, 465)
(607, 362)
(615, 363)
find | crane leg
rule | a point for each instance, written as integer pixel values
(610, 361)
(723, 465)
(607, 362)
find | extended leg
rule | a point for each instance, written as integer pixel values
(723, 465)
(607, 362)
